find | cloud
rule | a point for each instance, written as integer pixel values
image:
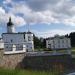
(51, 33)
(7, 1)
(33, 17)
(40, 5)
(2, 11)
(42, 11)
(39, 11)
(70, 21)
(17, 20)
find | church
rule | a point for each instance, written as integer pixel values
(17, 42)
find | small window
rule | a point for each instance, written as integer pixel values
(29, 38)
(19, 47)
(6, 46)
(31, 47)
(24, 36)
(11, 40)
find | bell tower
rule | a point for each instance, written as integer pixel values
(10, 26)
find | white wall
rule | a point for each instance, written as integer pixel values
(58, 43)
(29, 37)
(19, 39)
(10, 29)
(30, 42)
(13, 38)
(1, 44)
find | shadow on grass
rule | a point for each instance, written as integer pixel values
(52, 65)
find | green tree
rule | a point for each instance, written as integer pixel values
(39, 43)
(72, 37)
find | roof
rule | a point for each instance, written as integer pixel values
(19, 33)
(29, 32)
(60, 37)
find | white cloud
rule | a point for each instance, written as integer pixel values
(33, 17)
(45, 11)
(2, 11)
(51, 33)
(7, 1)
(42, 11)
(18, 21)
(69, 21)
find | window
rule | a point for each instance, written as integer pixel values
(29, 38)
(59, 43)
(8, 47)
(49, 45)
(14, 48)
(19, 47)
(63, 42)
(11, 40)
(24, 36)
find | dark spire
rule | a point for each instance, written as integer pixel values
(9, 23)
(9, 19)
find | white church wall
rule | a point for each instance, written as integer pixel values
(12, 49)
(18, 39)
(10, 29)
(1, 44)
(13, 38)
(29, 37)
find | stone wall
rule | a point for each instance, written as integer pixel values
(48, 62)
(60, 62)
(11, 60)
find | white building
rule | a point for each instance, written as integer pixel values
(17, 42)
(1, 44)
(58, 42)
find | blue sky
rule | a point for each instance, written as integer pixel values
(45, 17)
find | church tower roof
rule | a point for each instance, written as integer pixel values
(9, 23)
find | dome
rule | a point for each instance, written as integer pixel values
(9, 23)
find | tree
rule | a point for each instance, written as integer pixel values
(39, 42)
(72, 37)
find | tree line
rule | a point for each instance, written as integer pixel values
(41, 42)
(72, 38)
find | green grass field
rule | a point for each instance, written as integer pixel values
(26, 72)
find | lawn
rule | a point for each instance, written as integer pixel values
(73, 51)
(26, 72)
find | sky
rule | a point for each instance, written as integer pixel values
(45, 18)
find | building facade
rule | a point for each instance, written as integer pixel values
(17, 42)
(1, 43)
(58, 42)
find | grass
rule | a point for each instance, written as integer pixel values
(26, 72)
(73, 51)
